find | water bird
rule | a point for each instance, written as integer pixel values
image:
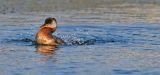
(44, 35)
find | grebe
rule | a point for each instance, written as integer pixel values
(44, 35)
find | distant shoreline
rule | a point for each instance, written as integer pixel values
(14, 6)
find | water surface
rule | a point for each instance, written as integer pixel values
(97, 43)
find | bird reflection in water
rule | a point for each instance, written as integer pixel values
(47, 51)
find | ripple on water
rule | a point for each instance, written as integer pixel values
(95, 35)
(121, 71)
(79, 35)
(87, 48)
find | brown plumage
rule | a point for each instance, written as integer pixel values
(45, 37)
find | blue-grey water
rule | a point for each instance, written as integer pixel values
(99, 41)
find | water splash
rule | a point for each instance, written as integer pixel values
(76, 35)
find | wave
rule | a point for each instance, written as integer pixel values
(71, 40)
(82, 35)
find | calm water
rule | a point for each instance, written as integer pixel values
(98, 42)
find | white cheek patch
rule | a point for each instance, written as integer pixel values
(54, 24)
(51, 25)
